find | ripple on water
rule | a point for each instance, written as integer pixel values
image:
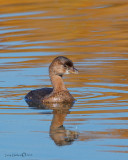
(94, 36)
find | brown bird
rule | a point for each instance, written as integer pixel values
(59, 93)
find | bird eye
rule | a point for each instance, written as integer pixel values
(65, 66)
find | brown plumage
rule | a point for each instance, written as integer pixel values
(59, 93)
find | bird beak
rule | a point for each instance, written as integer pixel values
(74, 71)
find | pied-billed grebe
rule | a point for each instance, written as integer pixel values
(59, 93)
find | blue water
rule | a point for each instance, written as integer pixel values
(32, 34)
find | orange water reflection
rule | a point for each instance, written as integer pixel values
(93, 33)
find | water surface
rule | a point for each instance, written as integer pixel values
(94, 34)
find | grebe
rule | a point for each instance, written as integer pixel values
(59, 93)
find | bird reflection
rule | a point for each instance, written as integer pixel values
(58, 133)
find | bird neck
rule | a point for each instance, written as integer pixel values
(57, 82)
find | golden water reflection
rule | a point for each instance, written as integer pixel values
(93, 33)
